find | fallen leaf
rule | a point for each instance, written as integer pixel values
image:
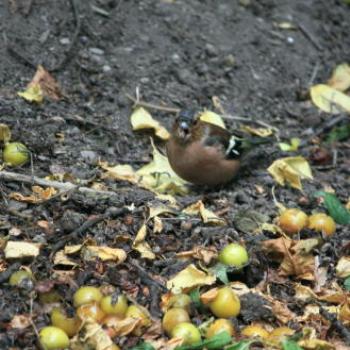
(290, 170)
(189, 278)
(39, 195)
(5, 133)
(316, 344)
(207, 215)
(119, 172)
(141, 245)
(343, 267)
(261, 132)
(142, 119)
(104, 253)
(212, 118)
(290, 147)
(32, 94)
(91, 336)
(340, 79)
(21, 321)
(205, 254)
(20, 249)
(329, 99)
(61, 258)
(160, 177)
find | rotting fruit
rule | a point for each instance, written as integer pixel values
(136, 312)
(188, 332)
(18, 276)
(292, 221)
(173, 317)
(180, 300)
(86, 295)
(321, 222)
(92, 311)
(234, 255)
(15, 154)
(117, 308)
(255, 331)
(218, 326)
(70, 325)
(53, 338)
(226, 303)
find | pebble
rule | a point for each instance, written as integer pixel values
(89, 156)
(65, 41)
(96, 51)
(211, 50)
(183, 75)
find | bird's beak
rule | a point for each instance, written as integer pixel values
(184, 130)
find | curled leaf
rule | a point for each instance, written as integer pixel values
(290, 170)
(329, 99)
(290, 147)
(212, 118)
(142, 119)
(340, 79)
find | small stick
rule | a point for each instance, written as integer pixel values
(139, 103)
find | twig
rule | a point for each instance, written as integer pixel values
(68, 54)
(314, 73)
(64, 187)
(139, 103)
(110, 213)
(309, 36)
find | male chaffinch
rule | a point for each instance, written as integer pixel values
(204, 153)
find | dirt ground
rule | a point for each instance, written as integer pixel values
(178, 54)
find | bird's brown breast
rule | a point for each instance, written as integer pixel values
(199, 164)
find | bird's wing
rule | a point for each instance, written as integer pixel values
(215, 136)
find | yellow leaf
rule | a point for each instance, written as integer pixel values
(190, 277)
(315, 344)
(104, 253)
(72, 249)
(329, 99)
(340, 79)
(141, 245)
(61, 258)
(160, 177)
(207, 216)
(290, 170)
(32, 94)
(141, 119)
(343, 267)
(262, 132)
(157, 225)
(292, 147)
(5, 133)
(39, 195)
(120, 172)
(20, 249)
(212, 118)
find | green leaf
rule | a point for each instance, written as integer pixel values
(214, 343)
(242, 345)
(292, 147)
(290, 345)
(143, 346)
(196, 298)
(347, 283)
(335, 209)
(339, 133)
(220, 271)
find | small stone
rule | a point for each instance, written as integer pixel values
(65, 41)
(211, 50)
(144, 80)
(176, 58)
(245, 3)
(89, 156)
(96, 51)
(183, 75)
(106, 68)
(229, 60)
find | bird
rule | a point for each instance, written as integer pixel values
(203, 153)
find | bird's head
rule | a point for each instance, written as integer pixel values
(183, 125)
